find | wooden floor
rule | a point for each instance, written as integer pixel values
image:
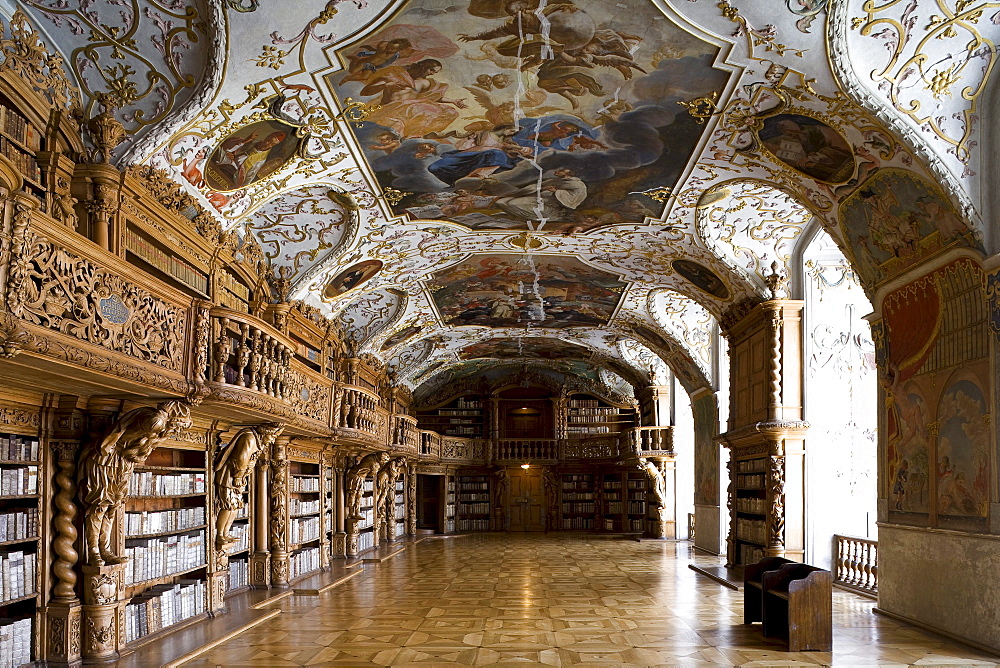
(558, 599)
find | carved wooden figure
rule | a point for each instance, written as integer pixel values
(106, 466)
(233, 468)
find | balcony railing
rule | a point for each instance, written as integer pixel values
(653, 440)
(856, 564)
(525, 450)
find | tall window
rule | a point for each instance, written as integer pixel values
(841, 402)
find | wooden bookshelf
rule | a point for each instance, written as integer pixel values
(588, 416)
(305, 507)
(750, 509)
(463, 416)
(472, 503)
(449, 505)
(20, 527)
(166, 542)
(366, 527)
(577, 501)
(399, 506)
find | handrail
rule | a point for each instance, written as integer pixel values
(856, 564)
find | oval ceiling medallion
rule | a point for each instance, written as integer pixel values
(702, 277)
(250, 154)
(351, 278)
(809, 146)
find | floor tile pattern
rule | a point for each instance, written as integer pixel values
(556, 600)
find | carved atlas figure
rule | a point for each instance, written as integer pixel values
(233, 468)
(106, 466)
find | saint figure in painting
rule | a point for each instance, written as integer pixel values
(411, 103)
(558, 196)
(479, 155)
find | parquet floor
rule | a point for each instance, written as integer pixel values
(559, 600)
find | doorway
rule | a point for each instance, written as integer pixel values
(429, 502)
(526, 508)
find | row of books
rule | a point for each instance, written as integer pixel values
(583, 403)
(159, 521)
(303, 562)
(753, 531)
(303, 529)
(242, 534)
(475, 509)
(164, 556)
(461, 431)
(369, 520)
(366, 541)
(163, 606)
(577, 496)
(15, 448)
(751, 506)
(454, 413)
(578, 477)
(588, 430)
(578, 508)
(15, 642)
(751, 465)
(17, 575)
(636, 507)
(19, 481)
(467, 498)
(168, 264)
(18, 128)
(239, 573)
(577, 414)
(368, 485)
(755, 481)
(400, 511)
(750, 554)
(304, 484)
(473, 525)
(578, 523)
(637, 525)
(300, 507)
(466, 486)
(469, 403)
(18, 524)
(24, 162)
(148, 483)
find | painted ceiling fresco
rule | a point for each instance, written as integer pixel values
(440, 174)
(523, 116)
(533, 290)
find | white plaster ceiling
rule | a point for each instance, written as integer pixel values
(683, 207)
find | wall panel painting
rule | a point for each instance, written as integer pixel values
(895, 219)
(521, 114)
(963, 461)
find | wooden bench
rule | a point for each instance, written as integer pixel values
(753, 595)
(798, 603)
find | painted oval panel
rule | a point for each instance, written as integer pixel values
(402, 335)
(250, 154)
(703, 277)
(351, 278)
(809, 146)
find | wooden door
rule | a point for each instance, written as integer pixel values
(527, 500)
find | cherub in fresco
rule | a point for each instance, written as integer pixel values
(387, 141)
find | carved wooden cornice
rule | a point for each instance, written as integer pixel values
(771, 430)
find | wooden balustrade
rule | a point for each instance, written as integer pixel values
(358, 410)
(525, 450)
(404, 433)
(247, 352)
(653, 440)
(430, 445)
(856, 564)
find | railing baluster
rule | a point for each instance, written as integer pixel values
(856, 562)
